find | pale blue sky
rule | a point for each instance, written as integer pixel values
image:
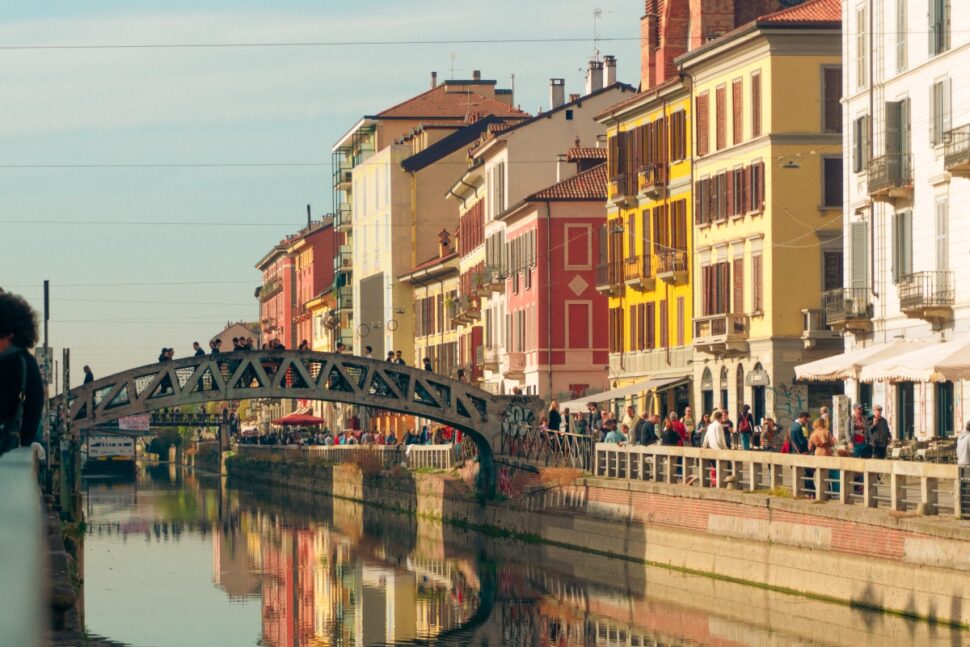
(172, 273)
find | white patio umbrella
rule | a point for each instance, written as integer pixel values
(939, 362)
(849, 364)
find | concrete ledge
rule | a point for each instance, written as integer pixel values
(22, 545)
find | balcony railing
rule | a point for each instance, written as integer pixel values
(815, 328)
(343, 216)
(270, 289)
(653, 179)
(343, 260)
(491, 359)
(890, 176)
(720, 332)
(849, 308)
(638, 272)
(927, 295)
(608, 278)
(956, 150)
(516, 366)
(623, 187)
(672, 266)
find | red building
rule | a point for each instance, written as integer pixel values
(295, 271)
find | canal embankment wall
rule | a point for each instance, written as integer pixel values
(900, 563)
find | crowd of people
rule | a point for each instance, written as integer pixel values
(288, 435)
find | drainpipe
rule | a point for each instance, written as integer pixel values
(414, 220)
(549, 295)
(691, 246)
(872, 119)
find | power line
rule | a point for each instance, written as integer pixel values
(348, 43)
(114, 285)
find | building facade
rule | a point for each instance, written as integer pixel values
(767, 192)
(906, 132)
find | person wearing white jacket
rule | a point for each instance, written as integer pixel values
(714, 438)
(963, 447)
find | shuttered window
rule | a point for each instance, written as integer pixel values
(681, 313)
(715, 288)
(832, 181)
(859, 240)
(737, 111)
(664, 325)
(902, 245)
(832, 99)
(756, 104)
(860, 144)
(651, 326)
(720, 126)
(942, 234)
(678, 136)
(757, 291)
(939, 110)
(678, 225)
(737, 305)
(703, 126)
(939, 16)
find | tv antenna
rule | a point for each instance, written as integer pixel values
(597, 16)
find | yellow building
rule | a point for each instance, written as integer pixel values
(767, 178)
(647, 244)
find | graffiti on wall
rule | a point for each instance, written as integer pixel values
(519, 416)
(788, 401)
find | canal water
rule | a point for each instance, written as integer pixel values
(178, 558)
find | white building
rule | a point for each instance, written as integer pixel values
(906, 97)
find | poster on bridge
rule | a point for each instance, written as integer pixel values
(141, 422)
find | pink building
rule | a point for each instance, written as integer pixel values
(556, 342)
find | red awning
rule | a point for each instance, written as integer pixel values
(299, 419)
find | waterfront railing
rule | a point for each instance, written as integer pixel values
(926, 488)
(441, 457)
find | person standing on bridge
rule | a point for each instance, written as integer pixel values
(21, 387)
(199, 351)
(879, 434)
(88, 375)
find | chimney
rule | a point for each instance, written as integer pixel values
(594, 77)
(476, 75)
(564, 169)
(557, 93)
(609, 70)
(573, 96)
(444, 244)
(308, 219)
(434, 80)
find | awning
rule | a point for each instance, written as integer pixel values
(938, 362)
(299, 418)
(849, 365)
(623, 392)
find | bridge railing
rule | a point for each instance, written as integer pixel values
(412, 456)
(929, 488)
(549, 448)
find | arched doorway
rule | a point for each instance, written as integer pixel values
(707, 392)
(724, 388)
(758, 380)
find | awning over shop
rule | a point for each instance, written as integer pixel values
(938, 362)
(849, 365)
(622, 392)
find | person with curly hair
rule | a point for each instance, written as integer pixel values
(21, 388)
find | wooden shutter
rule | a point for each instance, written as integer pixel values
(857, 152)
(832, 95)
(664, 325)
(633, 329)
(942, 235)
(756, 283)
(737, 305)
(730, 195)
(642, 329)
(720, 126)
(651, 326)
(756, 104)
(681, 313)
(702, 121)
(678, 220)
(737, 111)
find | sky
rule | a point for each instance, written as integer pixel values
(145, 182)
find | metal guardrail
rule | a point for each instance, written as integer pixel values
(549, 448)
(846, 304)
(440, 457)
(23, 542)
(889, 172)
(897, 485)
(926, 290)
(956, 147)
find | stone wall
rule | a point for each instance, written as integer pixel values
(914, 566)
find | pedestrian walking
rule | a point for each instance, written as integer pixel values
(199, 351)
(88, 375)
(21, 387)
(745, 426)
(399, 358)
(555, 418)
(714, 437)
(797, 437)
(427, 364)
(879, 434)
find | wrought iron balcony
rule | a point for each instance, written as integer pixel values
(848, 309)
(927, 295)
(343, 261)
(721, 333)
(491, 359)
(622, 189)
(672, 266)
(608, 277)
(342, 220)
(890, 177)
(638, 273)
(653, 180)
(467, 310)
(956, 151)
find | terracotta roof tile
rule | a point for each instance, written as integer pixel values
(812, 12)
(431, 262)
(574, 154)
(588, 185)
(440, 104)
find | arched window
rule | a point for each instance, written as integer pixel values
(724, 388)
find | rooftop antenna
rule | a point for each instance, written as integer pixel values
(597, 16)
(453, 57)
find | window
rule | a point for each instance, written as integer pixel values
(902, 245)
(859, 239)
(703, 126)
(942, 234)
(737, 111)
(832, 99)
(616, 330)
(720, 125)
(715, 281)
(756, 190)
(832, 181)
(939, 111)
(901, 31)
(944, 409)
(738, 296)
(680, 321)
(631, 235)
(650, 325)
(756, 104)
(757, 293)
(939, 26)
(862, 47)
(569, 115)
(860, 144)
(664, 325)
(831, 270)
(736, 188)
(678, 136)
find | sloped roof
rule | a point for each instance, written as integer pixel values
(588, 185)
(809, 13)
(574, 154)
(440, 103)
(447, 145)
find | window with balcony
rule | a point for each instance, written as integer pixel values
(715, 288)
(939, 15)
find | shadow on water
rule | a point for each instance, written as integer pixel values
(324, 571)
